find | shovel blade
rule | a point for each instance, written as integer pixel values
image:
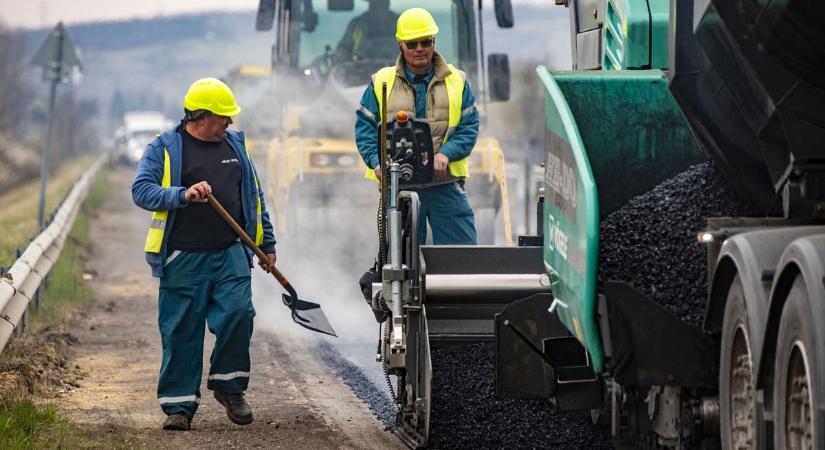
(309, 315)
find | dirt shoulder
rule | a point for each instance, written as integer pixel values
(297, 402)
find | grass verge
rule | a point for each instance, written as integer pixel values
(19, 218)
(24, 425)
(35, 366)
(65, 289)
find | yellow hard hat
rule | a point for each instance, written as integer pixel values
(212, 95)
(415, 23)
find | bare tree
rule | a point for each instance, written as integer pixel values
(73, 134)
(16, 93)
(17, 163)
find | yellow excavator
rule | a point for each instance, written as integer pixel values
(321, 64)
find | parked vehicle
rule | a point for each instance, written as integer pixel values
(138, 129)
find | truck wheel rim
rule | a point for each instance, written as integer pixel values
(798, 419)
(741, 379)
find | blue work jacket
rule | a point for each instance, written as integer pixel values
(149, 195)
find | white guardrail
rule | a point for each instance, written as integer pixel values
(19, 284)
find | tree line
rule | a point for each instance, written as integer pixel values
(24, 117)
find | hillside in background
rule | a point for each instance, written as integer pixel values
(148, 64)
(163, 30)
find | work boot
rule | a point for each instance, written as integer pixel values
(176, 422)
(237, 409)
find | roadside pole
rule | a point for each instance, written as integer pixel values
(58, 58)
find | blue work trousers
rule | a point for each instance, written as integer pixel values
(449, 214)
(204, 288)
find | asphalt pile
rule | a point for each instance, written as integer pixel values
(650, 243)
(466, 413)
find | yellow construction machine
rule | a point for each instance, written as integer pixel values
(322, 59)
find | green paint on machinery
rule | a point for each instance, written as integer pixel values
(571, 221)
(636, 34)
(606, 131)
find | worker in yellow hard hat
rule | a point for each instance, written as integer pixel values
(204, 270)
(369, 35)
(421, 82)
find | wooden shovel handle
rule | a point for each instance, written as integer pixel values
(245, 238)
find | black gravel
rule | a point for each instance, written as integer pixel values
(378, 401)
(466, 414)
(651, 244)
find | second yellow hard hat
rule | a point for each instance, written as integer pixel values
(415, 23)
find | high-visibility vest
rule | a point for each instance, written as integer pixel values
(259, 221)
(154, 238)
(454, 84)
(157, 229)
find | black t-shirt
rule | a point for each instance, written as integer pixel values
(198, 227)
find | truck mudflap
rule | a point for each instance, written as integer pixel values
(651, 346)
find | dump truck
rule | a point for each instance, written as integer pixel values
(318, 76)
(657, 88)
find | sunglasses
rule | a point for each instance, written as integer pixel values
(412, 45)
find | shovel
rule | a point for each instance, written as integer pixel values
(304, 313)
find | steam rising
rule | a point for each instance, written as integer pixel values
(332, 237)
(323, 261)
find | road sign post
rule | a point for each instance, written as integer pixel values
(58, 58)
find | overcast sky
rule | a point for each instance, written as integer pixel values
(45, 13)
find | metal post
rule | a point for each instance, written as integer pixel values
(382, 166)
(44, 167)
(21, 327)
(37, 298)
(528, 199)
(24, 320)
(482, 69)
(395, 257)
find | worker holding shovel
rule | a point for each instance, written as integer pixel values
(204, 269)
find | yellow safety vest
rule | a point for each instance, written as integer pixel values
(259, 221)
(154, 238)
(455, 92)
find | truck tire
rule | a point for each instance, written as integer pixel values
(738, 412)
(795, 392)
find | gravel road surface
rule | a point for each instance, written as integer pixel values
(299, 402)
